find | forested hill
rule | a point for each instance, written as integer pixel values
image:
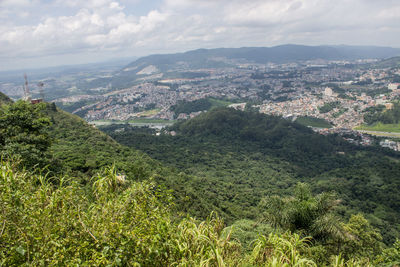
(202, 58)
(82, 150)
(47, 139)
(237, 158)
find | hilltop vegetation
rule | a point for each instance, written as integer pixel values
(84, 149)
(24, 134)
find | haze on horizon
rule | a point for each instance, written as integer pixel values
(42, 33)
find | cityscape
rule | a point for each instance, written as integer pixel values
(296, 89)
(336, 91)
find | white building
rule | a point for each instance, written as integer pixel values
(239, 106)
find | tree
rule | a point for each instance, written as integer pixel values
(23, 133)
(390, 256)
(303, 212)
(362, 240)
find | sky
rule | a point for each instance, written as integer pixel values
(41, 33)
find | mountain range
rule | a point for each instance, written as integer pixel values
(169, 64)
(276, 54)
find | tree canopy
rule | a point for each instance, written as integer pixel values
(24, 133)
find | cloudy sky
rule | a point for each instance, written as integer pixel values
(38, 33)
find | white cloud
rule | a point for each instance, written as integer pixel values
(94, 28)
(14, 3)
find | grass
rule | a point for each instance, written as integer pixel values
(380, 127)
(150, 112)
(219, 102)
(313, 122)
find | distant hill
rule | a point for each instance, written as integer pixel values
(177, 65)
(388, 63)
(277, 54)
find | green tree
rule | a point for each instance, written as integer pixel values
(361, 239)
(390, 256)
(303, 212)
(23, 133)
(114, 222)
(281, 250)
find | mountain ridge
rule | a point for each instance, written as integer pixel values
(275, 54)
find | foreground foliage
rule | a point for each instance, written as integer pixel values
(123, 223)
(113, 222)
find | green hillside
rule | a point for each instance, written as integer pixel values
(388, 63)
(83, 150)
(4, 99)
(238, 158)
